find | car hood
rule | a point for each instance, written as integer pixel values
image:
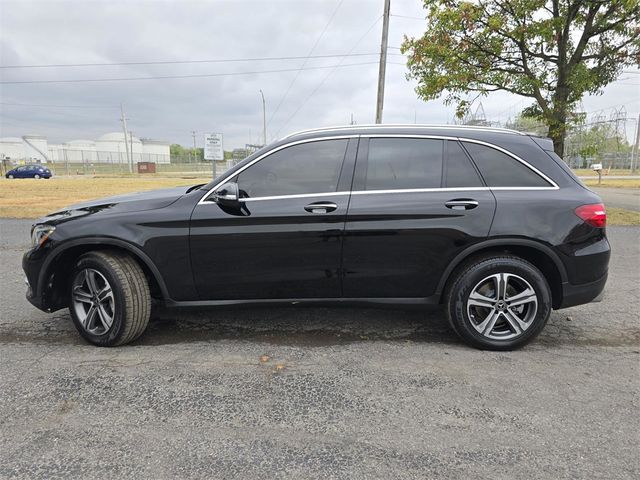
(130, 202)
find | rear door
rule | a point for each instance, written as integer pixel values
(416, 203)
(285, 239)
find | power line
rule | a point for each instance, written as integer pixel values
(205, 75)
(408, 16)
(286, 93)
(329, 74)
(172, 62)
(56, 106)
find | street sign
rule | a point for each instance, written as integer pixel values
(213, 147)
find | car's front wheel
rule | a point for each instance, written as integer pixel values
(498, 302)
(110, 303)
(36, 176)
(10, 177)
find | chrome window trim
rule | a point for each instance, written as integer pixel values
(384, 192)
(406, 125)
(420, 190)
(203, 200)
(552, 184)
(298, 195)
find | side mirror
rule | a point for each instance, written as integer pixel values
(227, 194)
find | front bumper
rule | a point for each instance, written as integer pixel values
(573, 295)
(33, 263)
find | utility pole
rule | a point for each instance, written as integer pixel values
(636, 146)
(264, 118)
(195, 151)
(131, 145)
(123, 119)
(383, 60)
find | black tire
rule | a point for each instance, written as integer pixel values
(10, 177)
(131, 297)
(473, 274)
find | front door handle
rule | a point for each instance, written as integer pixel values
(461, 204)
(321, 207)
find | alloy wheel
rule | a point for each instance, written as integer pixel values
(502, 306)
(93, 301)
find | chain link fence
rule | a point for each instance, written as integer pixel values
(92, 162)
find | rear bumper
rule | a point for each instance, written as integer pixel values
(573, 295)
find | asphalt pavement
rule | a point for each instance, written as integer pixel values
(320, 393)
(627, 198)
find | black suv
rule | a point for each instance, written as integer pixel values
(488, 222)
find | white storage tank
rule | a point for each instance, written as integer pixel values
(11, 148)
(35, 148)
(79, 151)
(156, 151)
(112, 146)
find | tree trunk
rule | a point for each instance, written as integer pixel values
(558, 121)
(557, 135)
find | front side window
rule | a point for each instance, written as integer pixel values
(312, 167)
(501, 170)
(403, 163)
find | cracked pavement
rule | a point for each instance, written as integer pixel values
(303, 392)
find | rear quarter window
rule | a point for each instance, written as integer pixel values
(501, 170)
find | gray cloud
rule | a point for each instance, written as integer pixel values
(48, 32)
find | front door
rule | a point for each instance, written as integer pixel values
(284, 237)
(411, 213)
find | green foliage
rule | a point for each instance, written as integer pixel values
(551, 51)
(180, 154)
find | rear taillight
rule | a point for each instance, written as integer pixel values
(594, 214)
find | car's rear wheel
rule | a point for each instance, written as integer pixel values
(110, 303)
(498, 303)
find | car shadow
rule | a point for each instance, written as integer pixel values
(297, 325)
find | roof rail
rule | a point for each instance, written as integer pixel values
(408, 125)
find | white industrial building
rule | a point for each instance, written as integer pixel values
(109, 148)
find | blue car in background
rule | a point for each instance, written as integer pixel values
(29, 171)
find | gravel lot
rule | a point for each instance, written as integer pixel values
(344, 393)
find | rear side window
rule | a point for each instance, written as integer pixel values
(501, 170)
(460, 171)
(402, 163)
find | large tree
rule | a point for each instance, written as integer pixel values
(552, 51)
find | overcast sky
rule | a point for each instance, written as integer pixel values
(88, 31)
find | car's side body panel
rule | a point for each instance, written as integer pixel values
(398, 244)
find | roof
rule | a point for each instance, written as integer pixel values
(116, 137)
(402, 128)
(81, 142)
(11, 140)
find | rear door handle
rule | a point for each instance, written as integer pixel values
(461, 204)
(321, 207)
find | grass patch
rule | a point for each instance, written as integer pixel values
(613, 183)
(29, 198)
(620, 216)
